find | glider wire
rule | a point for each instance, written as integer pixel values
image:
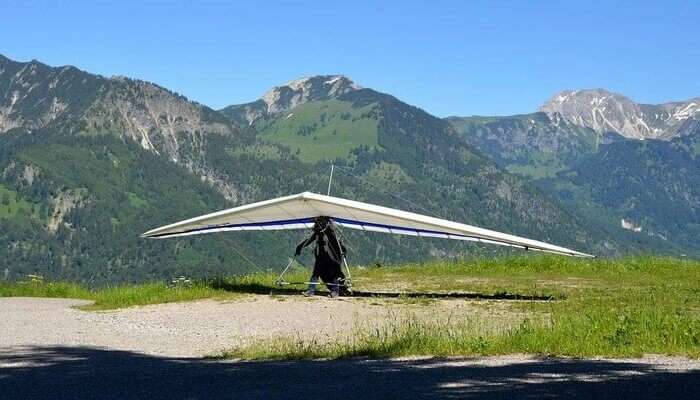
(347, 171)
(345, 239)
(381, 189)
(251, 262)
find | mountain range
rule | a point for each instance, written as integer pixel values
(607, 158)
(88, 163)
(603, 112)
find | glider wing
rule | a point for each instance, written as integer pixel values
(298, 212)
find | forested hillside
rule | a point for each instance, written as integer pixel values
(88, 163)
(646, 186)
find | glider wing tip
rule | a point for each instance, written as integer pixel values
(147, 235)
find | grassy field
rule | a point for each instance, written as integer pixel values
(11, 204)
(596, 307)
(602, 307)
(115, 297)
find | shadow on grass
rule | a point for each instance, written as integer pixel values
(257, 288)
(87, 372)
(458, 295)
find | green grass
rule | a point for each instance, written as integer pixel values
(622, 308)
(114, 297)
(599, 331)
(38, 288)
(11, 204)
(122, 296)
(152, 293)
(135, 201)
(325, 130)
(541, 165)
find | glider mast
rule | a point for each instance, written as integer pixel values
(330, 179)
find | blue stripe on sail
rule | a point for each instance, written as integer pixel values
(343, 221)
(349, 222)
(427, 231)
(401, 228)
(306, 221)
(235, 226)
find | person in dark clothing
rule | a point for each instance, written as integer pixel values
(328, 253)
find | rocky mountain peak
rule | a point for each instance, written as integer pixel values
(35, 96)
(291, 94)
(605, 111)
(303, 90)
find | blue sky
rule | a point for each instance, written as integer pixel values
(450, 58)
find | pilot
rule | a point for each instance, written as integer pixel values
(328, 253)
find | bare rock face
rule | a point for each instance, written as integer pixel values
(34, 96)
(63, 203)
(304, 90)
(154, 117)
(287, 96)
(604, 112)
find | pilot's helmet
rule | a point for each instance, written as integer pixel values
(321, 224)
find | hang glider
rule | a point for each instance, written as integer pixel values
(298, 212)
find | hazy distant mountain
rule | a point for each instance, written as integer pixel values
(533, 145)
(651, 187)
(604, 111)
(585, 151)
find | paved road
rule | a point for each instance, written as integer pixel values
(94, 373)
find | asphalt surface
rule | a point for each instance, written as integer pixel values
(94, 373)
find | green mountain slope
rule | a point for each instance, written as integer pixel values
(646, 187)
(79, 204)
(531, 145)
(92, 162)
(652, 185)
(419, 157)
(88, 163)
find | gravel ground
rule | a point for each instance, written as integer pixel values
(49, 350)
(188, 329)
(199, 328)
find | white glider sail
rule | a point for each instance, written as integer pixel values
(298, 212)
